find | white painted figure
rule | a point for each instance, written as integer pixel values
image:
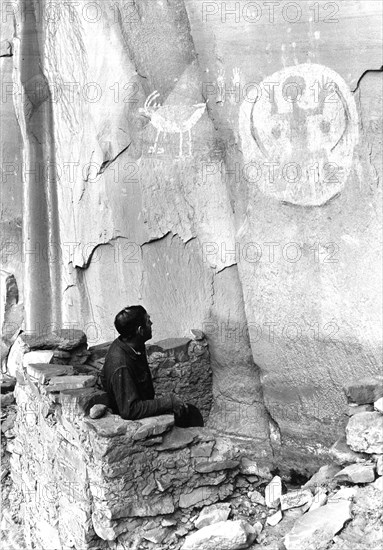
(172, 119)
(300, 133)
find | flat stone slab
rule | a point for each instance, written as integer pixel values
(198, 497)
(178, 438)
(323, 476)
(153, 425)
(355, 409)
(224, 535)
(273, 492)
(316, 528)
(110, 425)
(38, 357)
(364, 432)
(213, 514)
(320, 499)
(80, 400)
(60, 383)
(295, 499)
(365, 390)
(64, 339)
(207, 466)
(357, 473)
(252, 468)
(43, 372)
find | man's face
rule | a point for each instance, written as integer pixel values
(147, 328)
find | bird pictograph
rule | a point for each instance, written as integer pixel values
(172, 119)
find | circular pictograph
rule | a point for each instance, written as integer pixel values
(298, 134)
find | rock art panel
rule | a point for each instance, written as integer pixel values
(298, 134)
(172, 119)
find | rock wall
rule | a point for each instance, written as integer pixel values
(89, 482)
(80, 478)
(254, 219)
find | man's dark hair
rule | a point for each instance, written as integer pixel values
(129, 319)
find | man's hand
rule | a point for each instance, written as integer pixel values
(178, 405)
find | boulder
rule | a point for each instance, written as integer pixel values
(378, 405)
(212, 514)
(273, 492)
(317, 528)
(357, 473)
(364, 432)
(365, 390)
(224, 535)
(341, 453)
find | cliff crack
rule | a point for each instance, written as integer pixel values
(364, 74)
(107, 163)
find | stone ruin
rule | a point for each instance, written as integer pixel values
(75, 476)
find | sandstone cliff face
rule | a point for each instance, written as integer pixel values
(257, 222)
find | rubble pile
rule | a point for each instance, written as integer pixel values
(339, 508)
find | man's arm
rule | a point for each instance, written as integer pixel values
(130, 406)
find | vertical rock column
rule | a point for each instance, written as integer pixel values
(40, 221)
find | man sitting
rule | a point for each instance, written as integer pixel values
(127, 379)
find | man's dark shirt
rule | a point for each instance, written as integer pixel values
(127, 379)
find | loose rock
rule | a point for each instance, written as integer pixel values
(379, 465)
(364, 432)
(294, 499)
(365, 390)
(225, 535)
(357, 473)
(323, 476)
(378, 405)
(274, 519)
(320, 499)
(341, 453)
(212, 514)
(97, 411)
(257, 498)
(315, 529)
(273, 492)
(353, 408)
